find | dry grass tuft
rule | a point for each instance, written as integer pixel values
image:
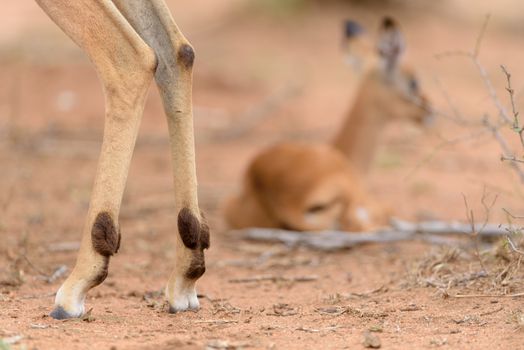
(459, 271)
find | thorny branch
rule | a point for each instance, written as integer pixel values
(514, 246)
(474, 56)
(510, 241)
(478, 43)
(442, 145)
(505, 119)
(506, 150)
(512, 215)
(455, 116)
(517, 127)
(471, 219)
(511, 92)
(512, 159)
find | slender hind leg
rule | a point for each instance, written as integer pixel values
(125, 65)
(153, 21)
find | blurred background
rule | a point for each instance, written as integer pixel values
(265, 71)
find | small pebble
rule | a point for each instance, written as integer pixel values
(371, 341)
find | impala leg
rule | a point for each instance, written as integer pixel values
(125, 65)
(153, 21)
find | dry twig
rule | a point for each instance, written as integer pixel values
(504, 117)
(515, 295)
(492, 311)
(253, 116)
(314, 330)
(512, 215)
(516, 122)
(400, 231)
(272, 278)
(514, 246)
(471, 219)
(215, 322)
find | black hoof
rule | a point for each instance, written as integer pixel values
(60, 314)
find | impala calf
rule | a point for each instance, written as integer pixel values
(130, 42)
(312, 187)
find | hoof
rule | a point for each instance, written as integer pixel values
(60, 314)
(188, 302)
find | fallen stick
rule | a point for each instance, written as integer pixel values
(400, 231)
(274, 279)
(516, 295)
(314, 330)
(492, 311)
(217, 322)
(326, 240)
(37, 296)
(449, 228)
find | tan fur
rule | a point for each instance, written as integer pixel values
(308, 187)
(321, 193)
(129, 43)
(378, 103)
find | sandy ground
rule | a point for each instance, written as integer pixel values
(51, 121)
